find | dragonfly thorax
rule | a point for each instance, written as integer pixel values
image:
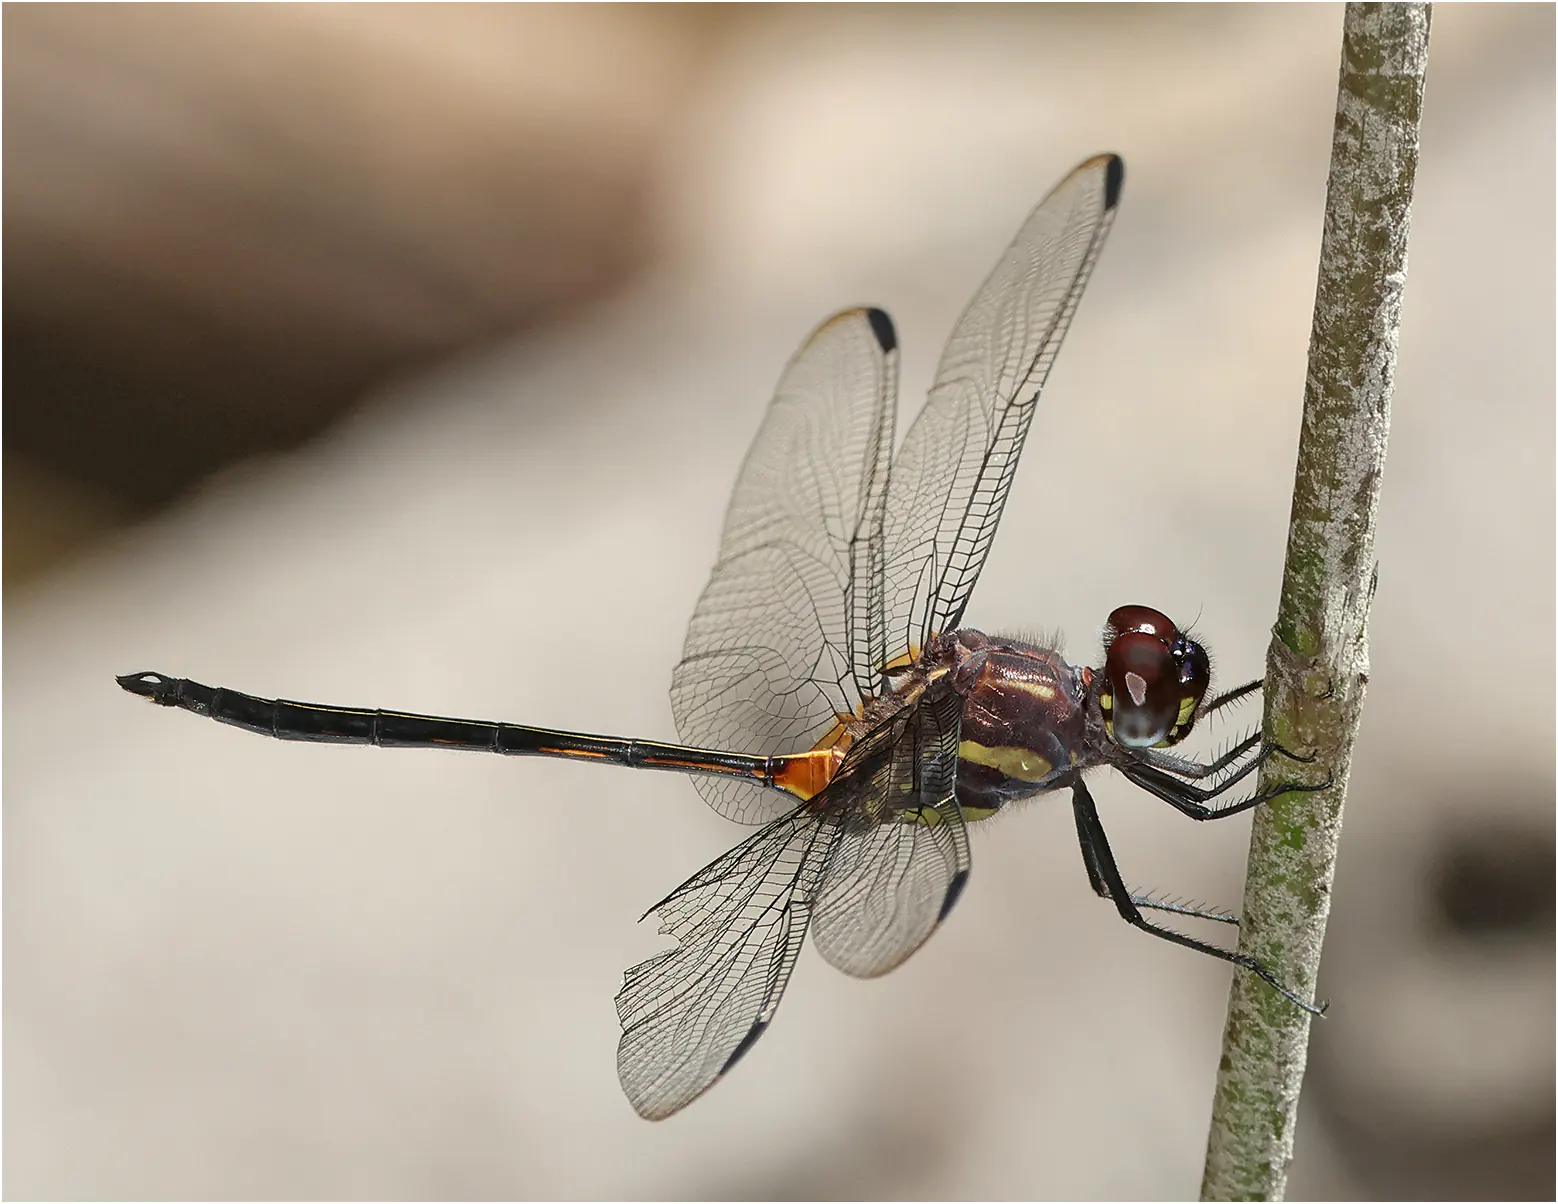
(1025, 718)
(1031, 721)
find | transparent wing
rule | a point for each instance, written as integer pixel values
(951, 476)
(790, 630)
(689, 1014)
(880, 855)
(890, 881)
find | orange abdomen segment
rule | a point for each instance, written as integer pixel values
(805, 774)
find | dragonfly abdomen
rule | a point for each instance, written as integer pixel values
(286, 720)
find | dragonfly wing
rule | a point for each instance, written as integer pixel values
(892, 880)
(790, 630)
(952, 474)
(689, 1014)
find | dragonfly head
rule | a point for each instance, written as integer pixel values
(1154, 679)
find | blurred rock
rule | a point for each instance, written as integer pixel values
(225, 222)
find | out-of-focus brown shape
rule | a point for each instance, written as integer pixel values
(224, 222)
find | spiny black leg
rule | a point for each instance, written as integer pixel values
(1090, 861)
(1185, 768)
(1232, 696)
(1191, 800)
(1101, 889)
(1091, 830)
(1195, 911)
(1185, 790)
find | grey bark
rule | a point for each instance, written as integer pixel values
(1317, 665)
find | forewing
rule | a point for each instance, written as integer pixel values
(951, 477)
(690, 1013)
(902, 858)
(790, 630)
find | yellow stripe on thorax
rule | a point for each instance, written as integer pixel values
(1021, 763)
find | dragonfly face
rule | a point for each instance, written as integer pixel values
(818, 698)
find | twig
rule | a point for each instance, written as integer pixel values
(1317, 666)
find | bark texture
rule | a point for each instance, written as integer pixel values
(1317, 666)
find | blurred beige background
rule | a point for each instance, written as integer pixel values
(405, 356)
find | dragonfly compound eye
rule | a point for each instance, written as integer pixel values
(1195, 669)
(1157, 678)
(1139, 618)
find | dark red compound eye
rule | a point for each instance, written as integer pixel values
(1156, 676)
(1139, 618)
(1143, 680)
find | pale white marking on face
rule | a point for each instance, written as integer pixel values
(1136, 686)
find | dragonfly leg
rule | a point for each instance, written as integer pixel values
(1100, 859)
(1186, 768)
(1191, 800)
(1228, 697)
(1095, 879)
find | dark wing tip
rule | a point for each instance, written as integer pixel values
(954, 893)
(882, 328)
(1114, 179)
(747, 1042)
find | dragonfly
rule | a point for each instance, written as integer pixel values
(829, 695)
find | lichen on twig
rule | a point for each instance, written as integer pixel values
(1317, 665)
